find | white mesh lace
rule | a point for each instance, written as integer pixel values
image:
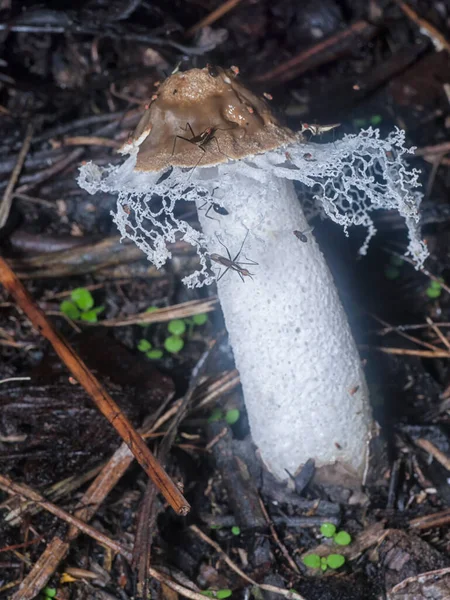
(346, 181)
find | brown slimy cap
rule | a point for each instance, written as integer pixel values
(222, 119)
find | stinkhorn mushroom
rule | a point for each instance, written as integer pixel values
(206, 138)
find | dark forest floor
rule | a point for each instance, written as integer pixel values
(73, 84)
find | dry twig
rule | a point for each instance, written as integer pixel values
(93, 387)
(216, 14)
(5, 205)
(438, 39)
(442, 458)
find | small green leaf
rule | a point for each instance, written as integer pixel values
(90, 316)
(216, 415)
(342, 538)
(221, 594)
(328, 530)
(200, 319)
(312, 561)
(395, 260)
(433, 292)
(376, 120)
(232, 416)
(235, 530)
(69, 309)
(324, 566)
(144, 345)
(208, 593)
(215, 526)
(173, 344)
(334, 561)
(391, 272)
(177, 327)
(155, 354)
(49, 592)
(82, 298)
(436, 285)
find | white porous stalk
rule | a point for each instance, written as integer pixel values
(303, 384)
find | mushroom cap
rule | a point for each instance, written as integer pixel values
(204, 117)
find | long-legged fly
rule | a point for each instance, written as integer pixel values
(202, 140)
(220, 210)
(233, 263)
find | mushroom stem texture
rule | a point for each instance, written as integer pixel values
(292, 344)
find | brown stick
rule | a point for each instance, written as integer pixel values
(5, 204)
(93, 387)
(321, 53)
(9, 486)
(56, 550)
(439, 519)
(277, 540)
(437, 37)
(435, 452)
(213, 16)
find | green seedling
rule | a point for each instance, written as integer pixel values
(81, 306)
(335, 561)
(49, 592)
(235, 530)
(216, 415)
(341, 538)
(376, 120)
(434, 290)
(392, 269)
(232, 416)
(144, 345)
(177, 327)
(328, 530)
(200, 319)
(312, 561)
(332, 561)
(173, 344)
(220, 594)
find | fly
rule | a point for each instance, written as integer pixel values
(220, 210)
(301, 234)
(233, 263)
(318, 129)
(201, 140)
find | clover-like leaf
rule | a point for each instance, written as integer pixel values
(82, 298)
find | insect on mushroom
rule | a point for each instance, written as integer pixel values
(201, 140)
(232, 263)
(220, 210)
(301, 234)
(318, 129)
